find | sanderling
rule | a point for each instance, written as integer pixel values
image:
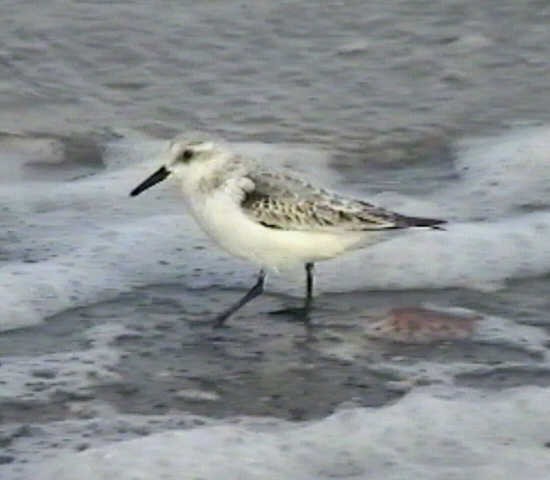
(269, 217)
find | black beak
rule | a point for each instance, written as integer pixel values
(157, 177)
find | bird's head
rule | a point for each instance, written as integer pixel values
(184, 159)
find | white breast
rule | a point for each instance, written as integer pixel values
(221, 217)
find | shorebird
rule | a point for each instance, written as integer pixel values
(271, 218)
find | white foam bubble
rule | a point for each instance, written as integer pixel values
(424, 435)
(119, 258)
(363, 346)
(479, 255)
(41, 376)
(502, 174)
(95, 424)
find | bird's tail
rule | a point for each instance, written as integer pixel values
(433, 223)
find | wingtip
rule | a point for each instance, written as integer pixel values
(437, 225)
(433, 223)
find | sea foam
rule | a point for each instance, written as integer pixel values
(425, 435)
(70, 243)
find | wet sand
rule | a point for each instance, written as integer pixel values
(168, 358)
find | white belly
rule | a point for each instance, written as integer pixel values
(233, 231)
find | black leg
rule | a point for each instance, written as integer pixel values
(301, 313)
(309, 287)
(256, 290)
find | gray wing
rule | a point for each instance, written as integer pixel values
(284, 202)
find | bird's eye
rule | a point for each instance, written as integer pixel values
(187, 154)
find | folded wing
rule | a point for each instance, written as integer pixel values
(281, 201)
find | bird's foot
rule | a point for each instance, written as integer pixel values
(298, 314)
(219, 321)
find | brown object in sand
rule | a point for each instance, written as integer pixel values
(422, 325)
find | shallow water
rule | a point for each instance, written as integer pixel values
(106, 300)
